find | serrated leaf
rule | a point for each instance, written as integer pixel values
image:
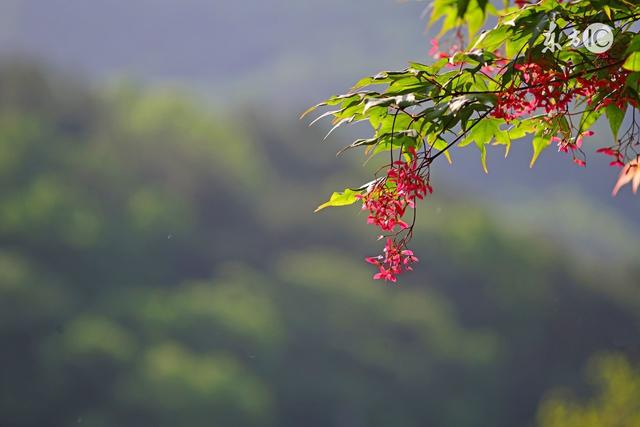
(539, 27)
(440, 144)
(589, 117)
(492, 39)
(483, 156)
(322, 116)
(335, 100)
(337, 125)
(503, 138)
(513, 46)
(482, 134)
(450, 22)
(540, 142)
(377, 102)
(380, 78)
(463, 5)
(475, 17)
(345, 198)
(615, 116)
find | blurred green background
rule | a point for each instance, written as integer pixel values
(160, 264)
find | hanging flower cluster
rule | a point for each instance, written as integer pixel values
(388, 198)
(573, 146)
(395, 260)
(387, 201)
(614, 151)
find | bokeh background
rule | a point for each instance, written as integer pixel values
(160, 264)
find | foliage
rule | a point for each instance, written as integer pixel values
(615, 404)
(535, 74)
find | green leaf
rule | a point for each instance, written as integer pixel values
(482, 134)
(634, 44)
(462, 7)
(440, 144)
(615, 116)
(540, 142)
(446, 9)
(538, 27)
(633, 62)
(514, 45)
(589, 118)
(503, 138)
(347, 197)
(632, 81)
(482, 5)
(492, 39)
(475, 16)
(483, 156)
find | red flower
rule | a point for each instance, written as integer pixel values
(618, 157)
(573, 144)
(436, 53)
(612, 87)
(388, 199)
(543, 88)
(394, 261)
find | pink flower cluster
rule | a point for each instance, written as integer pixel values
(618, 157)
(436, 53)
(394, 261)
(387, 202)
(613, 86)
(569, 145)
(545, 89)
(385, 207)
(409, 184)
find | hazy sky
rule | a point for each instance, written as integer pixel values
(283, 49)
(286, 55)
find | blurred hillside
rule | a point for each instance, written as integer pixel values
(160, 266)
